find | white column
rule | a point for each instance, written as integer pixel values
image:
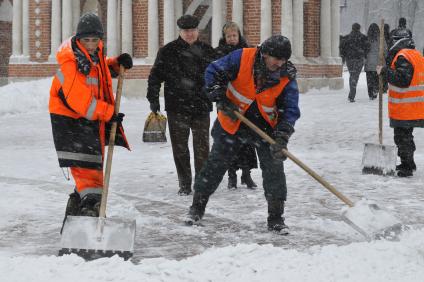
(127, 27)
(25, 27)
(76, 13)
(118, 29)
(266, 19)
(238, 13)
(17, 28)
(153, 29)
(112, 46)
(325, 29)
(297, 43)
(217, 24)
(178, 13)
(55, 30)
(66, 19)
(287, 19)
(335, 27)
(168, 21)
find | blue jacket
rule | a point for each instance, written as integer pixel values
(226, 69)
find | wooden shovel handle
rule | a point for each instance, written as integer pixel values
(380, 84)
(112, 135)
(312, 173)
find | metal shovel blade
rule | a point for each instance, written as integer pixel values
(372, 221)
(82, 236)
(379, 159)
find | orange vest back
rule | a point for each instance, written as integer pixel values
(408, 103)
(242, 93)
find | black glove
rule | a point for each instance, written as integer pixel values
(125, 60)
(117, 118)
(155, 106)
(290, 71)
(216, 93)
(281, 136)
(228, 108)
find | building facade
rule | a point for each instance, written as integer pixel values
(32, 30)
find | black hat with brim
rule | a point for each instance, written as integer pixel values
(187, 22)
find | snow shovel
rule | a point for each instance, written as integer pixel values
(366, 218)
(96, 237)
(378, 158)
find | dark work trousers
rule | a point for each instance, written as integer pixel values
(179, 130)
(354, 67)
(245, 158)
(225, 147)
(372, 83)
(404, 141)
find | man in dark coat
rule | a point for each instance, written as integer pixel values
(401, 26)
(260, 84)
(181, 65)
(354, 49)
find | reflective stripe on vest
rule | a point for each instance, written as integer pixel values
(90, 190)
(407, 103)
(79, 157)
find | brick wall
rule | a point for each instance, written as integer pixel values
(39, 33)
(140, 28)
(329, 71)
(311, 18)
(229, 7)
(252, 21)
(276, 17)
(5, 46)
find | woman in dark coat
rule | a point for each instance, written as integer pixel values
(246, 158)
(371, 61)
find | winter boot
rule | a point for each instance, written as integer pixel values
(72, 208)
(185, 190)
(232, 179)
(90, 205)
(247, 180)
(197, 209)
(406, 167)
(275, 219)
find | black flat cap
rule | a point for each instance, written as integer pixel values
(187, 22)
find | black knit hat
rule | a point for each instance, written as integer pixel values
(277, 46)
(187, 22)
(89, 25)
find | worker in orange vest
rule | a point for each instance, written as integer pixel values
(81, 108)
(259, 83)
(405, 75)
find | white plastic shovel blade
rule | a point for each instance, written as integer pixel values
(379, 159)
(81, 232)
(371, 221)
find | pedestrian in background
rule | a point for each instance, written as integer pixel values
(371, 61)
(246, 158)
(181, 64)
(355, 49)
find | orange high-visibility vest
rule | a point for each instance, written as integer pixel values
(408, 103)
(242, 93)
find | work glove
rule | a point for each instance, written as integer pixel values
(155, 106)
(125, 60)
(216, 93)
(281, 137)
(228, 108)
(117, 118)
(290, 71)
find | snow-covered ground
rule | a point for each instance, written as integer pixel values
(233, 244)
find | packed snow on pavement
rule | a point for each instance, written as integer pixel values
(233, 244)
